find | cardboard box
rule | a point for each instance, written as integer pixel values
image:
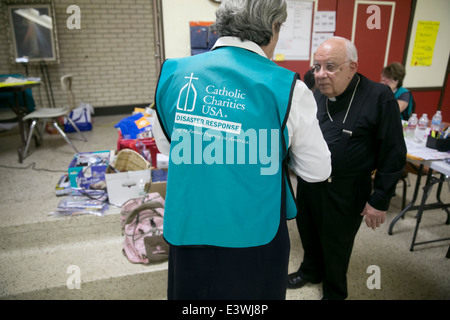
(159, 187)
(88, 169)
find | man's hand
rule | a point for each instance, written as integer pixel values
(374, 217)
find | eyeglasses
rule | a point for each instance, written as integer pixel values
(329, 68)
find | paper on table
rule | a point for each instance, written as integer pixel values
(421, 152)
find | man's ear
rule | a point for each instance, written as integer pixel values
(353, 68)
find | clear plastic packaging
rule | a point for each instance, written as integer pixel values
(81, 202)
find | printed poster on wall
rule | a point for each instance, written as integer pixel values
(295, 34)
(318, 38)
(325, 21)
(424, 43)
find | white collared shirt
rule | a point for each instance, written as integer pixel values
(310, 157)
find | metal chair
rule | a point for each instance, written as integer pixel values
(52, 114)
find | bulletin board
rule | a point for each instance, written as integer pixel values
(295, 36)
(429, 48)
(178, 15)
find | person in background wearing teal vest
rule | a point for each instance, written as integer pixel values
(393, 75)
(231, 121)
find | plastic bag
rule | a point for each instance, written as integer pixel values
(134, 127)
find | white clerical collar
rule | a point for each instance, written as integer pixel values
(332, 99)
(236, 42)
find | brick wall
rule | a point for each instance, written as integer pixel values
(111, 56)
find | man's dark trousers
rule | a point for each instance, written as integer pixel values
(329, 216)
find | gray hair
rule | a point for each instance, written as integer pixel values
(352, 53)
(250, 19)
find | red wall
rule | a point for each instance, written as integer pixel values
(371, 47)
(428, 101)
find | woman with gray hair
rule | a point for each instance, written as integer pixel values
(250, 20)
(229, 119)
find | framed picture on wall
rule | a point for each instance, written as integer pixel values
(33, 32)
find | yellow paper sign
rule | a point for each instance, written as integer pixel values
(279, 57)
(424, 43)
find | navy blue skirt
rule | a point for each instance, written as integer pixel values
(217, 273)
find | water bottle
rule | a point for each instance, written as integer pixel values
(422, 129)
(412, 125)
(436, 121)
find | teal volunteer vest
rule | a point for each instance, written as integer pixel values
(224, 113)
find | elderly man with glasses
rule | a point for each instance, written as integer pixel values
(360, 121)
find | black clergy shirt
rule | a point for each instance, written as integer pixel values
(376, 142)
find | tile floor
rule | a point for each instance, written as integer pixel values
(27, 196)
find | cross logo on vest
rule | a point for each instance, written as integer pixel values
(186, 90)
